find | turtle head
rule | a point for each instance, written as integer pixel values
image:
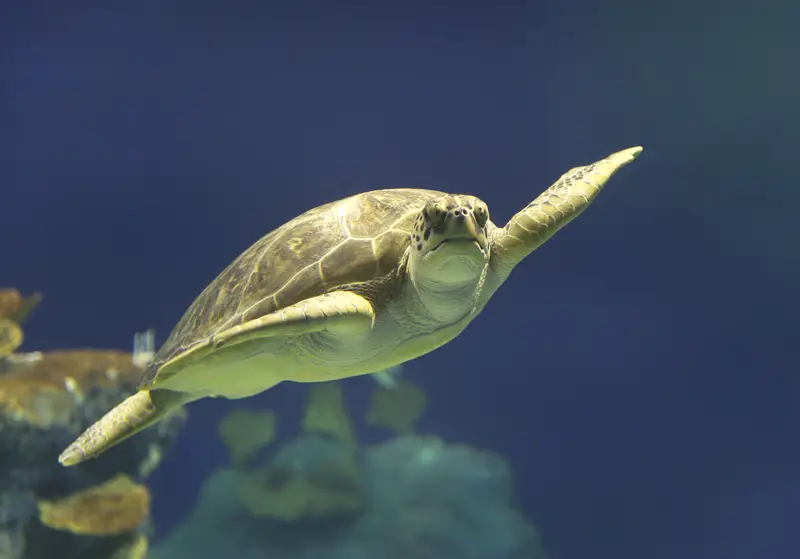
(449, 241)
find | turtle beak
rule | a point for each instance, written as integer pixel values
(465, 227)
(464, 230)
(475, 231)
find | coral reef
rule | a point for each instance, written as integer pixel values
(423, 499)
(14, 309)
(321, 496)
(46, 398)
(114, 507)
(134, 548)
(325, 413)
(310, 477)
(397, 407)
(316, 475)
(245, 432)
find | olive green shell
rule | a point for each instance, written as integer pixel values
(355, 239)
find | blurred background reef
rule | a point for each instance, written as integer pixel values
(316, 492)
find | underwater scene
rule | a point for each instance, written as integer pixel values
(320, 492)
(319, 280)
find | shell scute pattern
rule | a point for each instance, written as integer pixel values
(353, 240)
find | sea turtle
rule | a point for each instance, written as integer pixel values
(348, 288)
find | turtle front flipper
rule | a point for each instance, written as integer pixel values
(553, 209)
(340, 311)
(134, 414)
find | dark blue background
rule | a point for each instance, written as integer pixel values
(639, 369)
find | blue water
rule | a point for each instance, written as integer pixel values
(638, 371)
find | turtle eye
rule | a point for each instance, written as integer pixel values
(481, 215)
(434, 214)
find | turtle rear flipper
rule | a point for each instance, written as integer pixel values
(340, 310)
(136, 413)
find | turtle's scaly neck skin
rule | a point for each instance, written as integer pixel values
(428, 304)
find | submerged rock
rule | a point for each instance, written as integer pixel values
(422, 499)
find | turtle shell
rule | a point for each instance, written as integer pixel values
(355, 239)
